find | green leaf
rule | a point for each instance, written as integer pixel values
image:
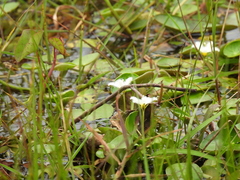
(8, 7)
(58, 44)
(64, 66)
(194, 98)
(168, 62)
(145, 78)
(109, 133)
(87, 59)
(179, 171)
(138, 24)
(118, 143)
(130, 122)
(27, 43)
(232, 49)
(105, 111)
(173, 22)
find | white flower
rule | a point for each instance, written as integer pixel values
(143, 101)
(121, 82)
(205, 47)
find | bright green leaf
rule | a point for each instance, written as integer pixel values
(8, 7)
(232, 49)
(27, 43)
(58, 44)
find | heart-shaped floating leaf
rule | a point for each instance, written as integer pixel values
(118, 142)
(177, 23)
(168, 62)
(232, 49)
(87, 59)
(195, 98)
(58, 44)
(8, 7)
(109, 133)
(179, 171)
(27, 43)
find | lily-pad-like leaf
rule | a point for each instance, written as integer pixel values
(87, 59)
(195, 98)
(8, 7)
(177, 23)
(232, 49)
(173, 22)
(179, 171)
(109, 133)
(103, 112)
(27, 43)
(145, 78)
(46, 148)
(138, 24)
(58, 44)
(118, 143)
(168, 62)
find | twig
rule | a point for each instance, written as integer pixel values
(112, 96)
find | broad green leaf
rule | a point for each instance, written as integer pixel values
(168, 62)
(232, 49)
(8, 7)
(185, 9)
(130, 122)
(46, 148)
(179, 171)
(100, 153)
(27, 43)
(64, 66)
(145, 78)
(103, 112)
(138, 24)
(173, 22)
(118, 142)
(109, 133)
(87, 59)
(58, 44)
(194, 98)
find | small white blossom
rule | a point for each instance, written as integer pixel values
(205, 47)
(121, 82)
(143, 101)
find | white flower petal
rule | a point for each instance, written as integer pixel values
(143, 101)
(205, 47)
(121, 82)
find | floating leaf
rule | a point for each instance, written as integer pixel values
(179, 171)
(138, 24)
(103, 112)
(195, 98)
(58, 44)
(109, 133)
(118, 143)
(27, 43)
(8, 7)
(168, 62)
(46, 148)
(145, 78)
(232, 49)
(87, 59)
